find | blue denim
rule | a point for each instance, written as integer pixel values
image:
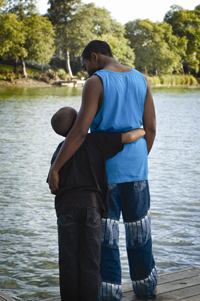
(133, 200)
(79, 238)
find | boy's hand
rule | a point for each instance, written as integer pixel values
(53, 181)
(132, 135)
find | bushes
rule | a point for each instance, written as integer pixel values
(10, 76)
(82, 74)
(61, 73)
(49, 76)
(173, 80)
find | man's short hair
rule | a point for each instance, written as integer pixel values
(63, 120)
(96, 46)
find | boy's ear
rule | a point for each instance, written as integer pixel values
(94, 56)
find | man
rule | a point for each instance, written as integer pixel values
(118, 98)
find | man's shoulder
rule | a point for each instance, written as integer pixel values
(93, 80)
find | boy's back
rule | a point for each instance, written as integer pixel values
(83, 180)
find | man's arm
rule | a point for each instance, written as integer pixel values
(149, 118)
(132, 135)
(92, 93)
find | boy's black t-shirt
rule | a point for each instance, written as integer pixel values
(83, 179)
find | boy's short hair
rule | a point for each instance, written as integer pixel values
(96, 46)
(63, 120)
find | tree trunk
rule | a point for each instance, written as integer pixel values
(68, 67)
(15, 65)
(182, 68)
(23, 67)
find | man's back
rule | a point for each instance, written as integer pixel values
(121, 110)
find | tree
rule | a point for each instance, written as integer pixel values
(62, 13)
(81, 23)
(186, 23)
(157, 50)
(12, 37)
(90, 23)
(121, 50)
(40, 46)
(19, 39)
(22, 8)
(2, 5)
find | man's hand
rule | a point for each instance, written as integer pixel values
(53, 181)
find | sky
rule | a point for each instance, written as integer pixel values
(129, 10)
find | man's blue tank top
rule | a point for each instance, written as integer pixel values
(122, 110)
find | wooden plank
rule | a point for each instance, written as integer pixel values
(174, 286)
(178, 275)
(193, 298)
(169, 277)
(4, 297)
(181, 293)
(178, 284)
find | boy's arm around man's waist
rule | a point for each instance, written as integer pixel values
(132, 135)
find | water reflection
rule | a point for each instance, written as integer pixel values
(28, 224)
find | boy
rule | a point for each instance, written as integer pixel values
(80, 203)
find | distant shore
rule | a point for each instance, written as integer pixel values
(24, 82)
(29, 82)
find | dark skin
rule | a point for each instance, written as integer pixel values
(92, 97)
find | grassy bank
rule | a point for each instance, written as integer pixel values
(51, 76)
(173, 80)
(48, 76)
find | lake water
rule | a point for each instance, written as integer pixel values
(29, 268)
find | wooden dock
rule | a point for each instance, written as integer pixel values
(179, 285)
(71, 83)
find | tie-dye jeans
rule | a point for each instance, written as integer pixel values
(133, 200)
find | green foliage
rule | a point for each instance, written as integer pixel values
(19, 39)
(5, 67)
(49, 76)
(76, 26)
(62, 14)
(6, 73)
(172, 80)
(61, 73)
(22, 8)
(153, 80)
(12, 37)
(82, 74)
(157, 50)
(120, 49)
(2, 6)
(90, 23)
(186, 23)
(40, 46)
(160, 48)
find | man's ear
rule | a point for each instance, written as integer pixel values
(94, 56)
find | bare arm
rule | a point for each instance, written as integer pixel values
(132, 135)
(92, 92)
(149, 119)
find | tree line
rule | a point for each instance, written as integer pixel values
(168, 47)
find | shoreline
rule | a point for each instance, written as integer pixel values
(24, 82)
(29, 82)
